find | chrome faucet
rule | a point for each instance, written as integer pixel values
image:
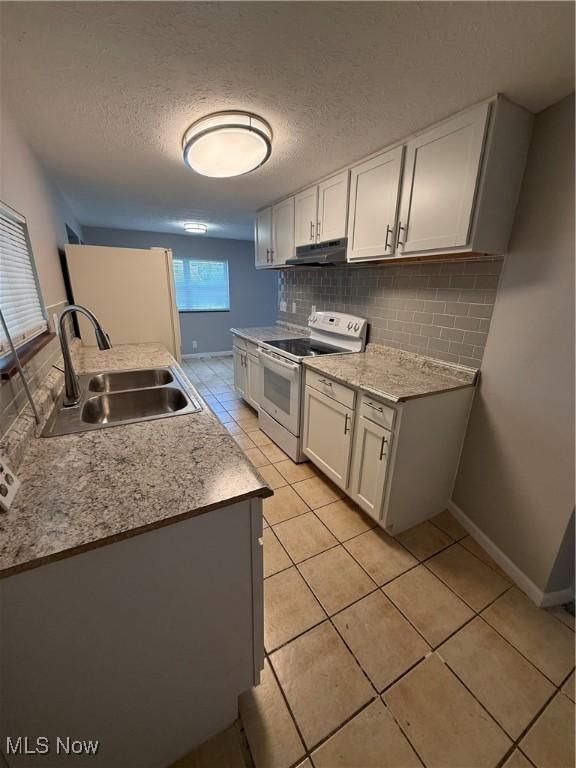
(71, 386)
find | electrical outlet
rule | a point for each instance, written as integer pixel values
(194, 344)
(9, 485)
(283, 306)
(293, 307)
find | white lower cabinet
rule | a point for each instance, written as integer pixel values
(247, 371)
(396, 460)
(328, 428)
(253, 378)
(372, 444)
(240, 368)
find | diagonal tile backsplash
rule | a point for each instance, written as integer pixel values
(442, 310)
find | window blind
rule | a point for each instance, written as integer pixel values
(201, 286)
(20, 298)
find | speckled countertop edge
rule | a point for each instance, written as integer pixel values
(62, 510)
(271, 332)
(393, 374)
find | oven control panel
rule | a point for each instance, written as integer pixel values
(338, 323)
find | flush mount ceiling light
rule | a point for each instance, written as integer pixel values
(227, 144)
(195, 227)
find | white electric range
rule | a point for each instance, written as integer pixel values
(281, 386)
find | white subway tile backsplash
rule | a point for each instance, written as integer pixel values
(439, 309)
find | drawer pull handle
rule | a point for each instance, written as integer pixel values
(375, 407)
(327, 383)
(382, 446)
(346, 429)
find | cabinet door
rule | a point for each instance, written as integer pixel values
(369, 466)
(374, 193)
(283, 232)
(305, 216)
(333, 207)
(263, 238)
(328, 435)
(253, 380)
(440, 178)
(240, 370)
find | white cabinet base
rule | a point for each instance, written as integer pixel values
(143, 644)
(426, 448)
(404, 456)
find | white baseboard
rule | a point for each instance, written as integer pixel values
(540, 598)
(226, 353)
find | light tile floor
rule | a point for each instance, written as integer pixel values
(382, 652)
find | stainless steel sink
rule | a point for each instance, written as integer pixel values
(122, 380)
(114, 398)
(131, 406)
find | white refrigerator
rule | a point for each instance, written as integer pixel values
(130, 290)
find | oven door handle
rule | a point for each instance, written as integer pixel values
(276, 361)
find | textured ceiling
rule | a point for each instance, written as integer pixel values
(104, 91)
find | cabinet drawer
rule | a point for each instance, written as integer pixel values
(332, 388)
(239, 342)
(375, 411)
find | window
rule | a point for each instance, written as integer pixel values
(20, 298)
(201, 286)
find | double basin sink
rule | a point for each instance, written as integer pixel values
(114, 398)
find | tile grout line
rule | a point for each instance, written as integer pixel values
(477, 613)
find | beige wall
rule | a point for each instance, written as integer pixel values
(25, 186)
(516, 479)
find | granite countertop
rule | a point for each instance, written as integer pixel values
(392, 374)
(86, 490)
(271, 333)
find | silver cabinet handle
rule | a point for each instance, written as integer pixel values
(323, 381)
(388, 233)
(267, 255)
(271, 255)
(375, 407)
(317, 230)
(346, 418)
(311, 230)
(382, 446)
(400, 229)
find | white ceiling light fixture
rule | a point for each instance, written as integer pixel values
(227, 144)
(195, 227)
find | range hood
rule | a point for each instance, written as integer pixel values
(326, 254)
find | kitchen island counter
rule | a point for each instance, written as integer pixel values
(82, 491)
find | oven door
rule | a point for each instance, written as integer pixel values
(280, 390)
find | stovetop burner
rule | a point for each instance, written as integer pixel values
(304, 347)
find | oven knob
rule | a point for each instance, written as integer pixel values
(350, 326)
(356, 327)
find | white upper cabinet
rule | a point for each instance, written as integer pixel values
(305, 216)
(440, 179)
(282, 232)
(321, 211)
(374, 192)
(263, 238)
(332, 208)
(450, 189)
